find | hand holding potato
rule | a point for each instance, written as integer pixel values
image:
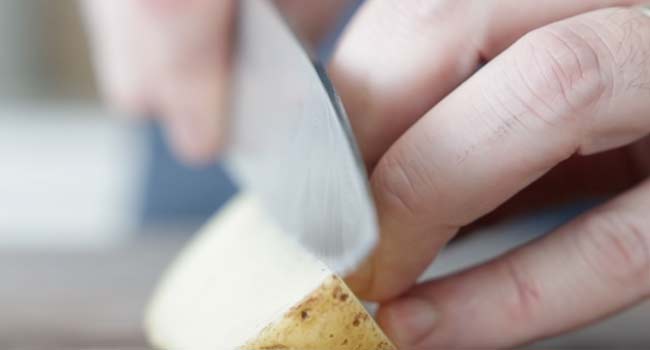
(560, 108)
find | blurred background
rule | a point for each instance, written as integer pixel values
(93, 207)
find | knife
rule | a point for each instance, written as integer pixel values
(291, 145)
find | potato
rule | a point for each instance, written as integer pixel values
(244, 284)
(329, 318)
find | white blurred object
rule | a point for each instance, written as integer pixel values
(69, 176)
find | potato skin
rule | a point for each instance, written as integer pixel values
(329, 318)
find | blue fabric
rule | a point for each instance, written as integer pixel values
(174, 192)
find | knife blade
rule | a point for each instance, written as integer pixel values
(290, 143)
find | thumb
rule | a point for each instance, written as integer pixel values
(170, 59)
(188, 51)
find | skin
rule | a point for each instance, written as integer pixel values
(559, 85)
(559, 110)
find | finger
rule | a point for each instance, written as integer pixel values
(575, 86)
(170, 58)
(593, 267)
(312, 20)
(111, 26)
(399, 58)
(574, 179)
(195, 67)
(189, 47)
(194, 103)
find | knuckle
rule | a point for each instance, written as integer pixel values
(525, 297)
(629, 32)
(563, 73)
(616, 248)
(396, 181)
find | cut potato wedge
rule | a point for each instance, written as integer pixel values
(329, 318)
(242, 284)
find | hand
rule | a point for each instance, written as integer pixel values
(565, 84)
(171, 59)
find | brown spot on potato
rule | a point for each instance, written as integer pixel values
(330, 318)
(274, 347)
(359, 318)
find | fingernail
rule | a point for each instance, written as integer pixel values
(195, 142)
(182, 135)
(409, 320)
(195, 117)
(210, 102)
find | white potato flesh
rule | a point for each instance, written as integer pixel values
(243, 284)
